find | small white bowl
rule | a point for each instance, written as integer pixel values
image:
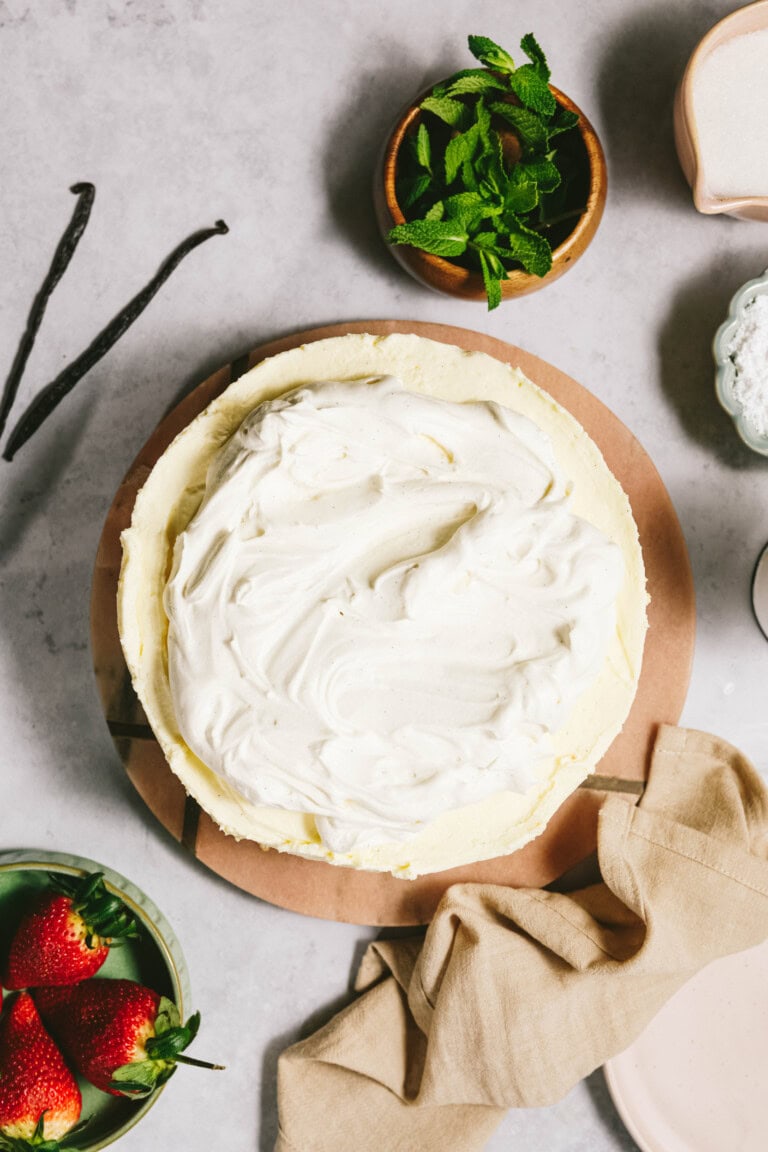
(725, 369)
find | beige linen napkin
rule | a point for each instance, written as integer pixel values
(515, 994)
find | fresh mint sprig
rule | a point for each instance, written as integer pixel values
(481, 181)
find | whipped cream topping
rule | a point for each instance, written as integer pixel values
(383, 608)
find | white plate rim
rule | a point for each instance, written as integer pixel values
(613, 1079)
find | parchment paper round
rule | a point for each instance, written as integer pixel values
(319, 889)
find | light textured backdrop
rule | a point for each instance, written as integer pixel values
(271, 115)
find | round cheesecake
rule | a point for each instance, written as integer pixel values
(383, 604)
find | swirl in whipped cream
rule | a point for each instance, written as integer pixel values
(383, 608)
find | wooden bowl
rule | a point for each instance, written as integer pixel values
(454, 280)
(739, 23)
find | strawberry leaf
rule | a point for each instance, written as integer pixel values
(103, 912)
(167, 1016)
(171, 1039)
(137, 1079)
(37, 1142)
(193, 1026)
(164, 1051)
(89, 886)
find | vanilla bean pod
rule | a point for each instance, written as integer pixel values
(47, 400)
(65, 250)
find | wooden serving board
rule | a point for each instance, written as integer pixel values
(319, 889)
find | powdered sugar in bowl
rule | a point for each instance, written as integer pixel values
(741, 355)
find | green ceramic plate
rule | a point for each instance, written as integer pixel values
(155, 960)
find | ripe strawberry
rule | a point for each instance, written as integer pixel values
(65, 937)
(39, 1096)
(124, 1038)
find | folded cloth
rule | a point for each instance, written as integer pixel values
(515, 994)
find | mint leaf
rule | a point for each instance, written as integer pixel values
(462, 202)
(491, 167)
(494, 263)
(475, 80)
(491, 283)
(460, 149)
(534, 53)
(468, 177)
(521, 195)
(530, 249)
(468, 208)
(489, 241)
(533, 133)
(423, 147)
(489, 197)
(532, 90)
(483, 122)
(438, 237)
(444, 87)
(451, 112)
(412, 188)
(553, 204)
(562, 121)
(490, 54)
(544, 173)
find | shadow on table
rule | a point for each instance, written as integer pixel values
(606, 1111)
(35, 477)
(315, 1021)
(686, 364)
(639, 72)
(377, 95)
(56, 492)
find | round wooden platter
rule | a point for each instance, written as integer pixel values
(319, 889)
